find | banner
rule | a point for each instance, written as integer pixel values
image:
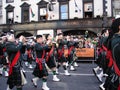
(85, 52)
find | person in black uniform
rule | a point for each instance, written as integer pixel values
(16, 76)
(50, 57)
(61, 57)
(102, 55)
(113, 80)
(40, 70)
(3, 56)
(71, 50)
(29, 51)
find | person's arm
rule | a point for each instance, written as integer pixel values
(14, 48)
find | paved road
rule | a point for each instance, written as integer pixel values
(81, 79)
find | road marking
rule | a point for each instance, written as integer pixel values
(79, 74)
(73, 74)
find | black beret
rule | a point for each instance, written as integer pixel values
(104, 30)
(38, 36)
(60, 34)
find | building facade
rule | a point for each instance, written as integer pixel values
(1, 14)
(30, 11)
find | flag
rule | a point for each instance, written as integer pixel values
(32, 12)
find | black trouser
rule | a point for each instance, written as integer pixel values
(112, 81)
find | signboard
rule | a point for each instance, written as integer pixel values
(85, 52)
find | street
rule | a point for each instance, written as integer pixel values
(81, 79)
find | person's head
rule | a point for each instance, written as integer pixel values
(105, 32)
(60, 35)
(39, 38)
(68, 38)
(48, 37)
(115, 27)
(11, 37)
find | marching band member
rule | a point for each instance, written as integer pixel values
(113, 79)
(71, 50)
(102, 55)
(16, 76)
(50, 58)
(75, 56)
(40, 71)
(61, 58)
(4, 57)
(29, 51)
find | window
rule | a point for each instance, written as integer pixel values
(43, 13)
(9, 1)
(25, 12)
(9, 14)
(117, 13)
(88, 10)
(64, 11)
(42, 10)
(25, 15)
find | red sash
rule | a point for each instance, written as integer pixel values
(4, 49)
(60, 52)
(39, 61)
(14, 62)
(118, 87)
(49, 54)
(104, 48)
(29, 53)
(108, 56)
(70, 49)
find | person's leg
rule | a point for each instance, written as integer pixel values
(5, 70)
(58, 66)
(71, 62)
(65, 69)
(55, 78)
(100, 76)
(8, 88)
(44, 86)
(34, 80)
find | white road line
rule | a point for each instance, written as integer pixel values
(73, 74)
